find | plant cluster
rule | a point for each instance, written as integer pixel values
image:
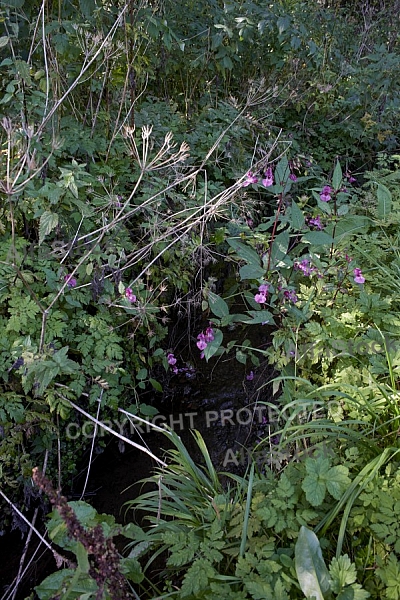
(149, 152)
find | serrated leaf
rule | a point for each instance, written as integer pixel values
(312, 574)
(337, 481)
(48, 222)
(197, 577)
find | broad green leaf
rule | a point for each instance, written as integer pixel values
(244, 251)
(213, 347)
(257, 316)
(337, 481)
(311, 570)
(337, 177)
(217, 305)
(318, 238)
(297, 217)
(156, 385)
(48, 222)
(251, 272)
(82, 557)
(141, 374)
(56, 584)
(3, 41)
(384, 201)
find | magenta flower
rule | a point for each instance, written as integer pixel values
(171, 359)
(325, 195)
(263, 289)
(250, 178)
(358, 276)
(268, 179)
(70, 281)
(130, 295)
(349, 177)
(209, 335)
(260, 298)
(293, 177)
(315, 222)
(201, 341)
(250, 376)
(290, 295)
(305, 267)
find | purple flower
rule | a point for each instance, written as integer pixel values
(305, 267)
(268, 179)
(250, 178)
(130, 295)
(260, 298)
(315, 222)
(263, 289)
(358, 276)
(325, 195)
(349, 177)
(70, 281)
(250, 376)
(171, 359)
(293, 177)
(290, 295)
(209, 335)
(201, 341)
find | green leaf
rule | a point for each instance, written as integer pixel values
(312, 574)
(141, 374)
(48, 222)
(244, 251)
(213, 347)
(297, 217)
(156, 385)
(197, 577)
(217, 305)
(257, 316)
(337, 481)
(3, 41)
(251, 272)
(384, 201)
(82, 557)
(318, 238)
(337, 177)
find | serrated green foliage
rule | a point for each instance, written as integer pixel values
(322, 477)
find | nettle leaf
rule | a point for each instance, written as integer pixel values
(311, 570)
(48, 222)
